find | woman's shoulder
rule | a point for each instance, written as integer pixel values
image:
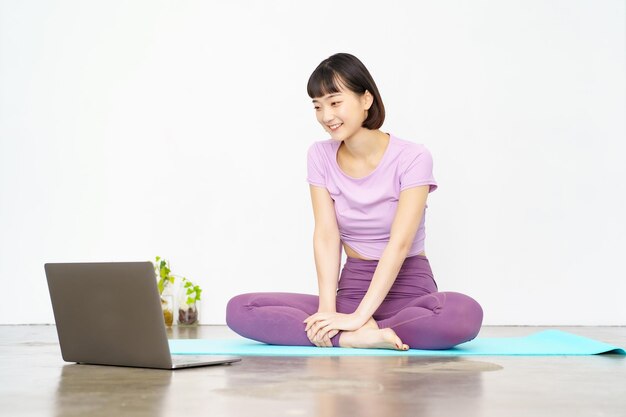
(320, 148)
(320, 144)
(409, 148)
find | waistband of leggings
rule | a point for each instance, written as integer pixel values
(375, 261)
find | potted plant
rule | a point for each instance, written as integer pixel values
(165, 283)
(188, 303)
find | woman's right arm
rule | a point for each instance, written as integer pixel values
(326, 247)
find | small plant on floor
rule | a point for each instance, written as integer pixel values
(188, 303)
(165, 284)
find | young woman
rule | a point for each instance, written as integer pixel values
(368, 192)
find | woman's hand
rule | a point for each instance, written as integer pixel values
(325, 342)
(322, 342)
(324, 325)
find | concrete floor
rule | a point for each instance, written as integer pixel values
(35, 381)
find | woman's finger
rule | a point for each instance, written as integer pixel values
(323, 334)
(314, 341)
(319, 339)
(315, 327)
(312, 317)
(311, 323)
(329, 343)
(321, 330)
(312, 334)
(322, 323)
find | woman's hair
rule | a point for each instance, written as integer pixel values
(347, 70)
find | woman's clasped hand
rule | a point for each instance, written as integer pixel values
(321, 326)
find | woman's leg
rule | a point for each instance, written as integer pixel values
(430, 320)
(439, 320)
(275, 318)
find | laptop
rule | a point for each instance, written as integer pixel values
(109, 313)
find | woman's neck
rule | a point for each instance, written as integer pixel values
(366, 145)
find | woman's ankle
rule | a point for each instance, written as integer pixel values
(371, 323)
(346, 338)
(349, 338)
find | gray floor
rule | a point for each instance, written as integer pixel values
(35, 381)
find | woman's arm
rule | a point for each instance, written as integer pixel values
(326, 247)
(327, 261)
(405, 223)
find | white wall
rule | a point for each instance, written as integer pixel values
(180, 129)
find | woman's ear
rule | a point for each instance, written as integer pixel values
(368, 99)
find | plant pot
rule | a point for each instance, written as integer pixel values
(167, 304)
(188, 314)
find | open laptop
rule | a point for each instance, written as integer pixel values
(109, 313)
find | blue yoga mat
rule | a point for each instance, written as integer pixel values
(543, 343)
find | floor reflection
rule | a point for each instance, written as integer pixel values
(362, 385)
(407, 385)
(97, 390)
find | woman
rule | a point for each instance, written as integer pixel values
(368, 191)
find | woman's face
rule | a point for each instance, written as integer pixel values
(346, 109)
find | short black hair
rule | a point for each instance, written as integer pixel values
(347, 70)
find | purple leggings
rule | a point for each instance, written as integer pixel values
(421, 316)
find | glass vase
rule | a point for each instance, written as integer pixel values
(167, 305)
(188, 314)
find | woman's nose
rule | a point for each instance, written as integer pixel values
(327, 117)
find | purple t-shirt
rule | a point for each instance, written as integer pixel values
(365, 207)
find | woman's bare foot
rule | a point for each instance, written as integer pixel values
(370, 336)
(371, 323)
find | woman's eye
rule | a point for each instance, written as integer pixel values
(334, 102)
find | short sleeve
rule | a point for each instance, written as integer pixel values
(418, 169)
(315, 171)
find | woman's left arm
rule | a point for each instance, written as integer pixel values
(408, 216)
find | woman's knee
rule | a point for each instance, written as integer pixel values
(466, 313)
(236, 308)
(237, 301)
(240, 305)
